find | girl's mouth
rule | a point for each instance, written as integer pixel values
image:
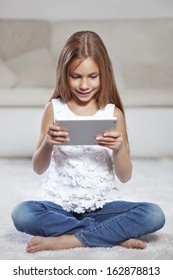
(83, 93)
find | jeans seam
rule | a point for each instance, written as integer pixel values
(105, 223)
(105, 212)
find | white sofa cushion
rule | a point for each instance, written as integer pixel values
(149, 75)
(147, 97)
(19, 36)
(7, 77)
(24, 97)
(34, 69)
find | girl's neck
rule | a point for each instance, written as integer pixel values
(83, 108)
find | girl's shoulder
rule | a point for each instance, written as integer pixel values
(48, 111)
(118, 113)
(114, 110)
(53, 103)
(48, 107)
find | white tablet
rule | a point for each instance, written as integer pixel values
(84, 131)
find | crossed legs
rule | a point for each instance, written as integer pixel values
(117, 223)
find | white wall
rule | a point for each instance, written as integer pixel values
(88, 9)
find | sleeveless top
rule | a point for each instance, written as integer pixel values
(80, 178)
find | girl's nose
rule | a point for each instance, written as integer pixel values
(83, 84)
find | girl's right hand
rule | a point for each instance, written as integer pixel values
(56, 135)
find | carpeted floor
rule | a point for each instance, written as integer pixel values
(152, 181)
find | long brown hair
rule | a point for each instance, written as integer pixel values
(81, 45)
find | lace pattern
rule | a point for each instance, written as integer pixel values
(80, 178)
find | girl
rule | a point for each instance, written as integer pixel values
(80, 205)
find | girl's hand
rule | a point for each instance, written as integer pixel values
(112, 140)
(56, 135)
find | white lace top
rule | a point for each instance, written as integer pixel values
(80, 178)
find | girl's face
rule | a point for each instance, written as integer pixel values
(84, 79)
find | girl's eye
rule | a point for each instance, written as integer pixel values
(73, 76)
(94, 76)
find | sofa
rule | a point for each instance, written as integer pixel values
(141, 51)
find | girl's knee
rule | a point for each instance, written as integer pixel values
(156, 216)
(21, 215)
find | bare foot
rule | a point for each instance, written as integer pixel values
(39, 243)
(133, 244)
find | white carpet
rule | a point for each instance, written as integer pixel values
(152, 181)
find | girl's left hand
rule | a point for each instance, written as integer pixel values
(112, 140)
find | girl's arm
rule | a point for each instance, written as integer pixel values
(50, 135)
(118, 142)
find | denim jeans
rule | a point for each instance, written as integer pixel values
(106, 227)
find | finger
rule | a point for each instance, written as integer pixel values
(53, 127)
(57, 141)
(57, 133)
(61, 139)
(114, 147)
(103, 139)
(57, 137)
(112, 133)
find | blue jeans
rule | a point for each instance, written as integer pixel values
(106, 227)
